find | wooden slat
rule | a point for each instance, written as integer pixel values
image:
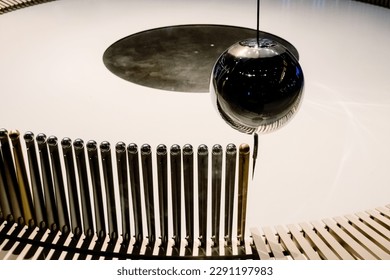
(276, 249)
(370, 233)
(323, 249)
(305, 245)
(378, 227)
(333, 243)
(2, 225)
(260, 245)
(359, 250)
(290, 245)
(363, 240)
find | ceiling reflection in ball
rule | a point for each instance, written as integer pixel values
(257, 85)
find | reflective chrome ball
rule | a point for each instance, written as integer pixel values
(257, 85)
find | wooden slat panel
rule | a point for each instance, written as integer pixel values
(291, 247)
(360, 251)
(372, 234)
(15, 231)
(333, 243)
(321, 245)
(364, 241)
(9, 4)
(17, 254)
(55, 240)
(260, 245)
(378, 227)
(379, 217)
(305, 245)
(276, 249)
(385, 211)
(8, 232)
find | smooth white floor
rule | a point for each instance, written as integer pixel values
(332, 159)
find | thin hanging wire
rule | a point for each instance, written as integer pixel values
(258, 23)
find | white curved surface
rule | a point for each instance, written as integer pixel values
(333, 158)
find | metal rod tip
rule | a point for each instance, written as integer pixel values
(14, 134)
(78, 144)
(3, 133)
(175, 149)
(91, 145)
(66, 142)
(146, 149)
(52, 141)
(231, 149)
(29, 136)
(161, 149)
(244, 149)
(132, 148)
(41, 138)
(217, 149)
(120, 147)
(202, 149)
(187, 149)
(105, 146)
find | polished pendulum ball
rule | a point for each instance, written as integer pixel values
(257, 86)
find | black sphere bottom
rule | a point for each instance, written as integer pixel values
(176, 58)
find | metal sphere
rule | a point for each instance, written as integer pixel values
(257, 85)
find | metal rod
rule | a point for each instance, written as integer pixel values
(175, 156)
(162, 177)
(85, 197)
(188, 177)
(11, 182)
(133, 159)
(63, 216)
(105, 150)
(146, 160)
(36, 183)
(73, 197)
(4, 199)
(120, 149)
(202, 193)
(255, 151)
(47, 181)
(243, 171)
(216, 185)
(96, 189)
(21, 173)
(230, 175)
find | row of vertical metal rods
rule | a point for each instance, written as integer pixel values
(37, 197)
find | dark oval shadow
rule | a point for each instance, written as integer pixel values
(176, 58)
